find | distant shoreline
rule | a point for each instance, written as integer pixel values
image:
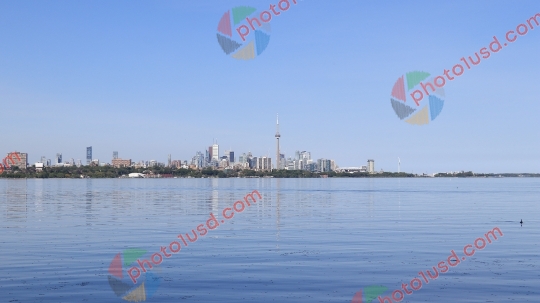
(109, 172)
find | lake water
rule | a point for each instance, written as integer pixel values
(306, 240)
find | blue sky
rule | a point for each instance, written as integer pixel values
(149, 79)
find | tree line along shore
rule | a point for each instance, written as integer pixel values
(167, 172)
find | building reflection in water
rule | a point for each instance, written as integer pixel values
(278, 214)
(39, 195)
(89, 196)
(215, 196)
(16, 209)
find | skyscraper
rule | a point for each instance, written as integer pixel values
(88, 155)
(264, 164)
(371, 166)
(17, 159)
(324, 165)
(58, 158)
(231, 156)
(278, 158)
(115, 155)
(215, 152)
(199, 160)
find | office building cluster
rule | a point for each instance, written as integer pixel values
(369, 168)
(20, 160)
(210, 158)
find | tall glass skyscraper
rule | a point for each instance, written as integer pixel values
(88, 155)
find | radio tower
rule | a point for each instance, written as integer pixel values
(277, 142)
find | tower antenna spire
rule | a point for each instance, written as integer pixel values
(278, 166)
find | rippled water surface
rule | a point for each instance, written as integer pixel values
(306, 240)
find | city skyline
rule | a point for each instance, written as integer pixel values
(212, 158)
(213, 154)
(140, 86)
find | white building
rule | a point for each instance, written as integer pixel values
(136, 175)
(361, 169)
(39, 166)
(215, 152)
(371, 166)
(264, 163)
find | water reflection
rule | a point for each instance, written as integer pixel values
(278, 215)
(39, 195)
(16, 209)
(310, 238)
(214, 200)
(89, 196)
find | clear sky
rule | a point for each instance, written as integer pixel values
(148, 78)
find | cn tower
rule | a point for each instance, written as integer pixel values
(277, 142)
